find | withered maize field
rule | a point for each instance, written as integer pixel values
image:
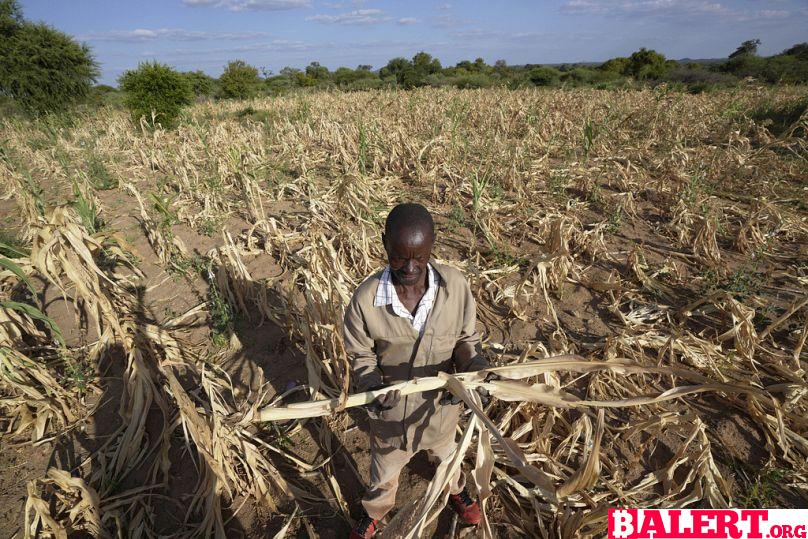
(171, 302)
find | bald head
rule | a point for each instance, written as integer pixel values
(409, 216)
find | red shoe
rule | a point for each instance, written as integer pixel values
(365, 528)
(466, 508)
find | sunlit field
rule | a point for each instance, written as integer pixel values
(160, 287)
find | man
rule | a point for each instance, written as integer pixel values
(411, 320)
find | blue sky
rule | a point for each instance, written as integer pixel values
(206, 34)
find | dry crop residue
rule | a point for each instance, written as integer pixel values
(159, 287)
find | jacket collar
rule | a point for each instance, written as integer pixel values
(440, 269)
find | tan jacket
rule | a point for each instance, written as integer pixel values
(386, 349)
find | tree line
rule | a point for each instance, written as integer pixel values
(44, 70)
(239, 80)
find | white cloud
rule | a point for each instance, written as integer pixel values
(643, 7)
(774, 14)
(340, 5)
(407, 20)
(451, 21)
(358, 16)
(276, 45)
(673, 9)
(171, 34)
(250, 5)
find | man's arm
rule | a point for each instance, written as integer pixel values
(359, 346)
(467, 353)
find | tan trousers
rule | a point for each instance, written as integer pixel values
(386, 463)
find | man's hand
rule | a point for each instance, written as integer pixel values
(385, 402)
(485, 396)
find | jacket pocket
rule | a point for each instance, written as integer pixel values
(442, 348)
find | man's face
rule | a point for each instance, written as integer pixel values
(408, 252)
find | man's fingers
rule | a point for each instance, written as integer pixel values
(392, 398)
(388, 400)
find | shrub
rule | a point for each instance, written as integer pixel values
(103, 94)
(700, 79)
(800, 50)
(348, 78)
(368, 83)
(648, 64)
(411, 74)
(202, 84)
(783, 68)
(544, 76)
(615, 65)
(279, 84)
(41, 69)
(474, 80)
(577, 76)
(317, 72)
(239, 80)
(157, 92)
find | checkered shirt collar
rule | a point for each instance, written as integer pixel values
(386, 295)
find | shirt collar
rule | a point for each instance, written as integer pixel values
(386, 292)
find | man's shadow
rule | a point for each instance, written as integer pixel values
(268, 356)
(87, 448)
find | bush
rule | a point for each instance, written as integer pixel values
(648, 64)
(239, 81)
(103, 94)
(411, 74)
(374, 83)
(544, 76)
(783, 68)
(616, 65)
(474, 80)
(578, 76)
(202, 84)
(41, 69)
(279, 84)
(699, 79)
(800, 50)
(157, 92)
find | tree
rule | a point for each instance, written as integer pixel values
(394, 67)
(424, 64)
(239, 80)
(201, 83)
(10, 17)
(747, 48)
(616, 65)
(41, 68)
(317, 71)
(289, 71)
(404, 73)
(157, 92)
(544, 76)
(647, 64)
(800, 50)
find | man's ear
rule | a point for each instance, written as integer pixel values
(384, 243)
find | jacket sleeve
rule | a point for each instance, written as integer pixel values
(359, 347)
(467, 353)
